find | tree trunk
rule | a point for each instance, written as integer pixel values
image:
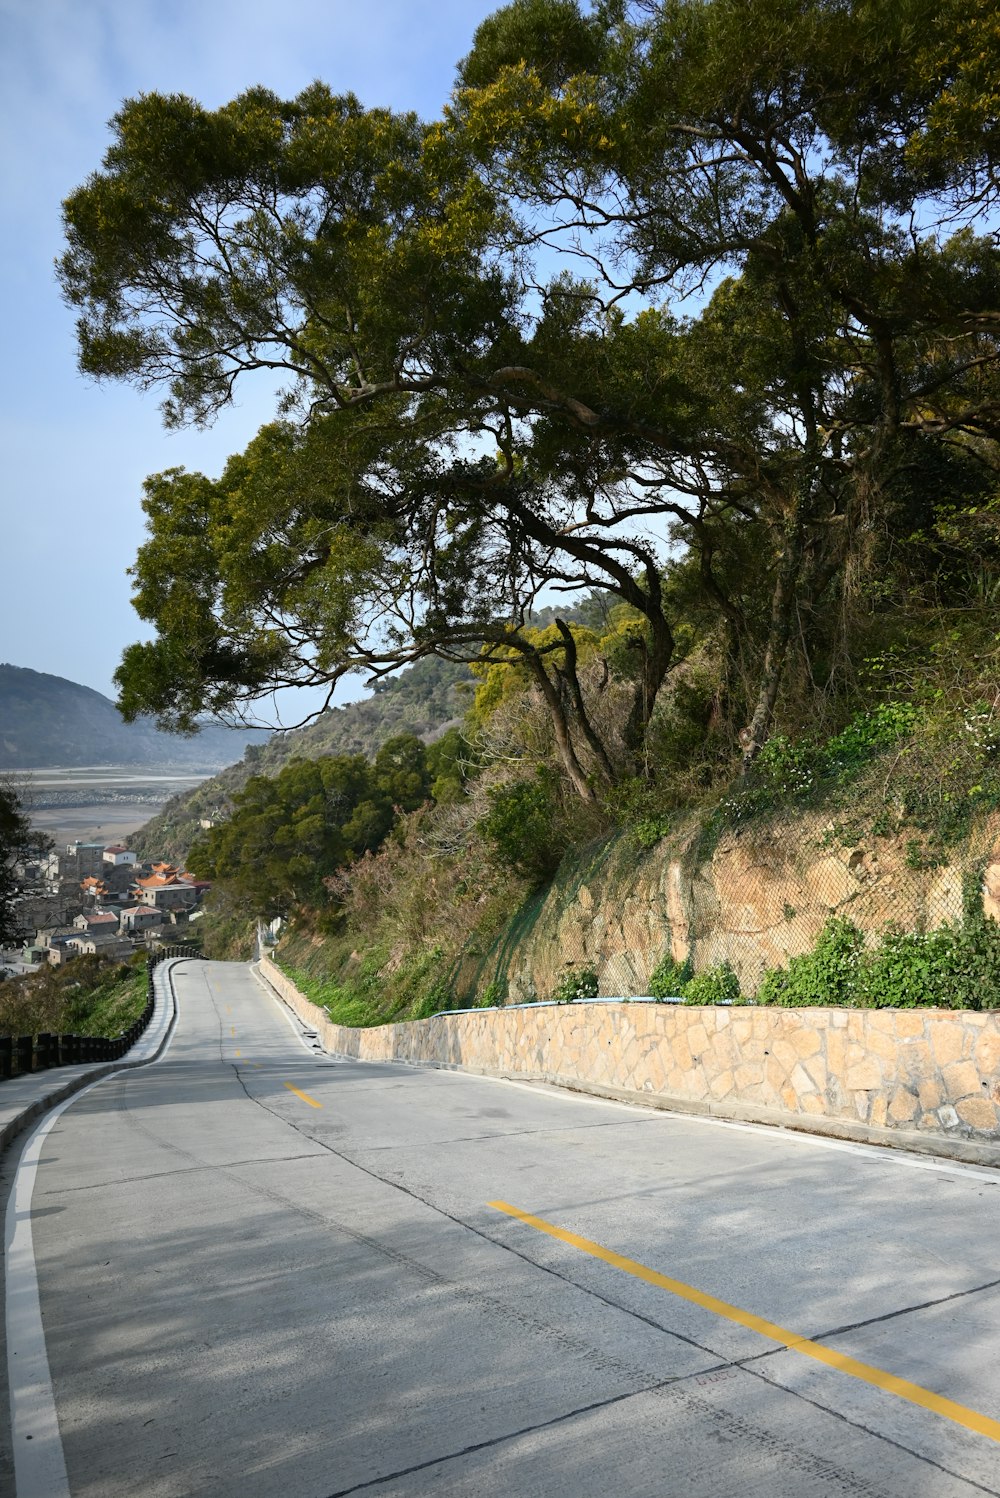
(573, 680)
(564, 741)
(754, 736)
(655, 666)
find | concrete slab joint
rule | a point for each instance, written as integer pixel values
(920, 1079)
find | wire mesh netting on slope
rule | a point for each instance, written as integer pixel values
(754, 897)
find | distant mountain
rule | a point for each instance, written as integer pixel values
(425, 699)
(49, 721)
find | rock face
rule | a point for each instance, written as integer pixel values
(753, 901)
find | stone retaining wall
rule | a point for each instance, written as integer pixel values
(920, 1079)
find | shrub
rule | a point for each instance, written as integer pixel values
(438, 997)
(649, 830)
(578, 983)
(715, 985)
(906, 970)
(521, 827)
(826, 975)
(669, 978)
(952, 968)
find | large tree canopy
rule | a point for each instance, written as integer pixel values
(672, 303)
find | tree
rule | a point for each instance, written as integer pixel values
(18, 840)
(288, 833)
(461, 434)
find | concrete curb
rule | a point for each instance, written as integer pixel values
(963, 1151)
(53, 1087)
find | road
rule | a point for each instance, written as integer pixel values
(267, 1272)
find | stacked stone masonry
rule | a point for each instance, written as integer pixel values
(923, 1078)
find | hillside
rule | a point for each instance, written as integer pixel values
(423, 700)
(46, 721)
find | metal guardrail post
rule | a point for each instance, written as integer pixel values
(42, 1057)
(25, 1053)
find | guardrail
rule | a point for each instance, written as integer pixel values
(20, 1054)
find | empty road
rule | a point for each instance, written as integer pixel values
(263, 1271)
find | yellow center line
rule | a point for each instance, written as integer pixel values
(304, 1096)
(237, 1053)
(232, 1029)
(982, 1424)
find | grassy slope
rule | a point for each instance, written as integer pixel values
(84, 997)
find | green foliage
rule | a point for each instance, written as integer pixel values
(390, 270)
(950, 968)
(369, 990)
(669, 978)
(577, 983)
(521, 827)
(86, 996)
(452, 763)
(648, 831)
(636, 804)
(494, 995)
(789, 772)
(826, 975)
(417, 701)
(287, 835)
(713, 985)
(18, 840)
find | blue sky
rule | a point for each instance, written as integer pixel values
(75, 453)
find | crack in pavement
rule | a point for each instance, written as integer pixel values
(853, 1326)
(157, 1175)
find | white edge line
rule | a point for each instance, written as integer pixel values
(290, 1018)
(880, 1154)
(39, 1460)
(875, 1154)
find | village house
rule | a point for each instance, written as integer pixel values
(119, 856)
(82, 859)
(56, 941)
(97, 921)
(139, 918)
(109, 945)
(165, 892)
(93, 888)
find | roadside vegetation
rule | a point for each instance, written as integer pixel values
(85, 996)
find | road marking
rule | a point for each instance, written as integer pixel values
(232, 1029)
(239, 1053)
(913, 1393)
(39, 1463)
(293, 1022)
(304, 1096)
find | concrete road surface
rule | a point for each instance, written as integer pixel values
(265, 1272)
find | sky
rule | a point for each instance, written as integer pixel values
(75, 453)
